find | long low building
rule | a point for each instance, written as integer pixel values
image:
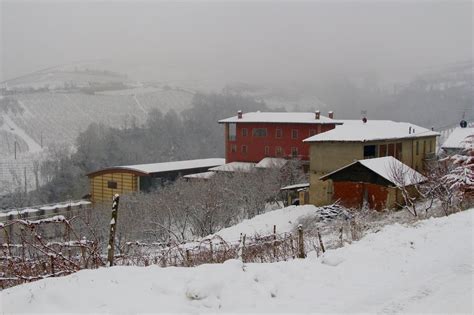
(106, 182)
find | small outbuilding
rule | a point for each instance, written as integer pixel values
(106, 182)
(373, 182)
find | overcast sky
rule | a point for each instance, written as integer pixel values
(237, 41)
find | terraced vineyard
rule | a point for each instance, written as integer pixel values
(59, 117)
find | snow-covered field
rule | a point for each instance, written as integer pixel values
(425, 267)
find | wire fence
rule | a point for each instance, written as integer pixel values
(31, 257)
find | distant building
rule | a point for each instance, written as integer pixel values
(251, 137)
(144, 177)
(456, 141)
(365, 139)
(373, 182)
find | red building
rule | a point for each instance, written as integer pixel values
(250, 137)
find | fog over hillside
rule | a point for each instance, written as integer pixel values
(213, 43)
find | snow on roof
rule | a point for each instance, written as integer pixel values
(456, 139)
(280, 117)
(269, 162)
(389, 168)
(244, 167)
(172, 166)
(296, 186)
(203, 175)
(358, 131)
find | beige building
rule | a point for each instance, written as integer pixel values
(358, 140)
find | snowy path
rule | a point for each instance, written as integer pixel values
(423, 268)
(139, 105)
(10, 126)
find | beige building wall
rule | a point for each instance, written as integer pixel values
(326, 157)
(100, 191)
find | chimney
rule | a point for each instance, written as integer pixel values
(317, 114)
(364, 119)
(331, 114)
(409, 130)
(239, 114)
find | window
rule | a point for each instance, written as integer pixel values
(267, 151)
(259, 132)
(112, 184)
(278, 152)
(279, 133)
(244, 132)
(382, 150)
(391, 149)
(244, 149)
(294, 134)
(369, 151)
(232, 132)
(294, 152)
(233, 148)
(417, 148)
(312, 132)
(398, 151)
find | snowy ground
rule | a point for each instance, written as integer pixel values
(285, 219)
(423, 267)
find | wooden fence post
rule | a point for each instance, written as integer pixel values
(113, 225)
(301, 253)
(341, 235)
(321, 242)
(188, 258)
(274, 242)
(212, 252)
(240, 251)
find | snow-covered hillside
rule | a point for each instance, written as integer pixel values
(423, 268)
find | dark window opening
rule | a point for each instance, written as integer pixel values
(398, 151)
(112, 184)
(294, 152)
(391, 149)
(369, 151)
(244, 149)
(382, 150)
(267, 151)
(233, 148)
(279, 133)
(294, 134)
(278, 151)
(259, 132)
(244, 132)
